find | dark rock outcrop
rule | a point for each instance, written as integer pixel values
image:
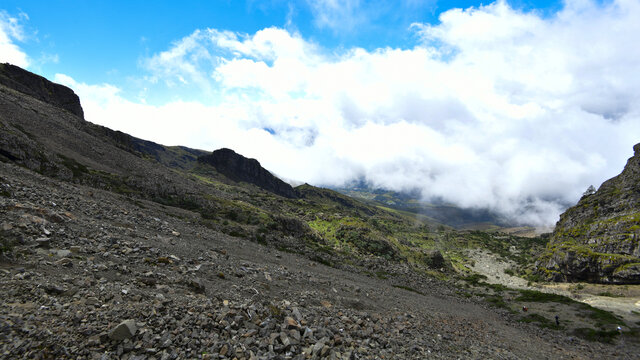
(239, 168)
(598, 240)
(40, 88)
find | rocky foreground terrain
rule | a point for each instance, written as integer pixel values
(95, 275)
(116, 247)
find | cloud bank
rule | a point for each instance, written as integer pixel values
(10, 32)
(492, 108)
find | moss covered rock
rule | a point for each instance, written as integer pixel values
(598, 240)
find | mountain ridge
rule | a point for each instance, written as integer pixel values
(39, 87)
(598, 239)
(239, 168)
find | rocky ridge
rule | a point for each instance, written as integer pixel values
(598, 240)
(239, 168)
(40, 88)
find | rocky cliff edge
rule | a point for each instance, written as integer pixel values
(40, 88)
(598, 240)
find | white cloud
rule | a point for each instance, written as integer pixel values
(10, 32)
(496, 108)
(337, 14)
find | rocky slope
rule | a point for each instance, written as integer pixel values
(95, 275)
(598, 240)
(115, 247)
(239, 168)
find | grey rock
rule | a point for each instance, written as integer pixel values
(54, 289)
(197, 285)
(239, 168)
(43, 242)
(124, 330)
(63, 253)
(597, 239)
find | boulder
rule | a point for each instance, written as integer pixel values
(124, 330)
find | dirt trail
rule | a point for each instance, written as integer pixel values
(622, 300)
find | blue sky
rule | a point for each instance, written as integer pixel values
(104, 41)
(517, 106)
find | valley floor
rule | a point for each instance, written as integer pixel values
(84, 261)
(622, 300)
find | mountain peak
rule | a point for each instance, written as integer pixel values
(239, 168)
(40, 88)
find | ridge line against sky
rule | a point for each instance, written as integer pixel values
(512, 106)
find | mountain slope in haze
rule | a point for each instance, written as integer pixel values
(598, 240)
(440, 212)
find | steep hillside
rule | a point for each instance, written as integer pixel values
(233, 194)
(598, 240)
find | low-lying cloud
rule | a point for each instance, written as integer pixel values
(11, 32)
(493, 108)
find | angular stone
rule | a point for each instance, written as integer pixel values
(196, 285)
(290, 323)
(92, 300)
(65, 262)
(43, 242)
(224, 350)
(63, 253)
(317, 347)
(296, 314)
(284, 339)
(124, 330)
(53, 289)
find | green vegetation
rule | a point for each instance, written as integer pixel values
(601, 316)
(541, 321)
(497, 301)
(7, 241)
(77, 169)
(605, 336)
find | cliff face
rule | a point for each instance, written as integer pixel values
(40, 88)
(239, 168)
(598, 240)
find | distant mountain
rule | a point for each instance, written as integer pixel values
(239, 168)
(598, 240)
(438, 211)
